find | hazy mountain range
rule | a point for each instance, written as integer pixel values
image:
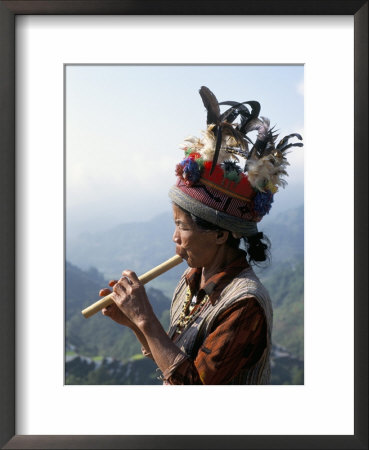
(95, 258)
(140, 246)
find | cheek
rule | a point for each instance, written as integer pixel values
(186, 244)
(195, 246)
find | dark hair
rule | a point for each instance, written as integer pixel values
(256, 246)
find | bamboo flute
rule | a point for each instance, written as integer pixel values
(145, 278)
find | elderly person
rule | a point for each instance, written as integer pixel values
(221, 315)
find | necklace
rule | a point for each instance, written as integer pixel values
(185, 319)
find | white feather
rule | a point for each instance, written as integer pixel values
(206, 145)
(268, 169)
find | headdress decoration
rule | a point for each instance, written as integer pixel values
(211, 182)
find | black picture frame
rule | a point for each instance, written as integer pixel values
(8, 11)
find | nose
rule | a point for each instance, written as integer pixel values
(176, 238)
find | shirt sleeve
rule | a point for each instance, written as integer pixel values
(236, 341)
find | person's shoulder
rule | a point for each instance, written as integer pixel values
(247, 284)
(247, 276)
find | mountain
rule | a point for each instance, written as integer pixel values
(99, 335)
(285, 283)
(286, 233)
(140, 246)
(137, 245)
(146, 244)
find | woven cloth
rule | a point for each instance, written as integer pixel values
(214, 207)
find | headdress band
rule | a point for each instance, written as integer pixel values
(223, 220)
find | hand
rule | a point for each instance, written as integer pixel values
(112, 310)
(131, 299)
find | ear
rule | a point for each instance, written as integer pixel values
(222, 236)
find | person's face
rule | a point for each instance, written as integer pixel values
(198, 247)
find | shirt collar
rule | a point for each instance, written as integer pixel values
(217, 281)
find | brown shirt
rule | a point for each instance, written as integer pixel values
(237, 338)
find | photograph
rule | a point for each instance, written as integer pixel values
(201, 161)
(182, 205)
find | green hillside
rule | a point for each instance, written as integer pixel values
(285, 284)
(97, 347)
(99, 335)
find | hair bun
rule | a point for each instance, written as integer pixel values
(257, 249)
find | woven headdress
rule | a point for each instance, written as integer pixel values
(214, 185)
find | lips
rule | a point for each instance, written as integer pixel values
(182, 254)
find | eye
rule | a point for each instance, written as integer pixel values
(182, 226)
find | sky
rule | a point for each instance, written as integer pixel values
(124, 125)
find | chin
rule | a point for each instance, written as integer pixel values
(193, 264)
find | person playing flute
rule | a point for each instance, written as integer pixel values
(221, 314)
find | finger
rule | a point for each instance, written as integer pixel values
(104, 292)
(131, 276)
(113, 283)
(125, 282)
(119, 288)
(107, 310)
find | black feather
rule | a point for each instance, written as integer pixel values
(236, 108)
(286, 147)
(231, 103)
(255, 110)
(285, 140)
(230, 115)
(240, 109)
(211, 104)
(217, 149)
(230, 130)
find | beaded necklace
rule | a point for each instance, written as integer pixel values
(185, 319)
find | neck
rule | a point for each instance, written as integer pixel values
(223, 258)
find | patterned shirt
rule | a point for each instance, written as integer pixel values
(236, 340)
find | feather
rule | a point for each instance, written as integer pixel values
(251, 125)
(232, 103)
(285, 140)
(223, 139)
(231, 137)
(208, 144)
(255, 108)
(217, 150)
(246, 120)
(236, 109)
(230, 130)
(296, 144)
(230, 115)
(270, 139)
(239, 109)
(211, 105)
(267, 170)
(265, 141)
(264, 127)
